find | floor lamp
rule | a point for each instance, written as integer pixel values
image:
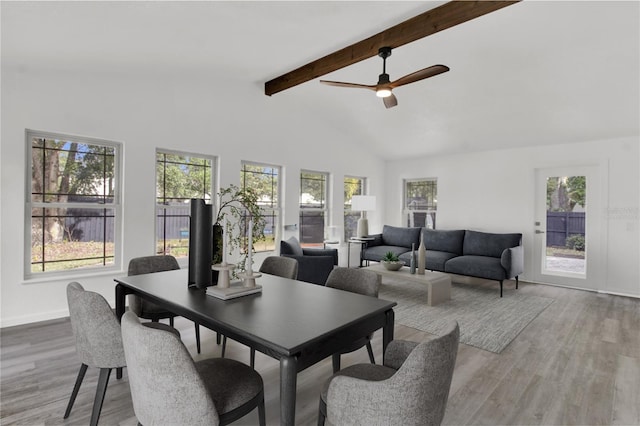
(363, 203)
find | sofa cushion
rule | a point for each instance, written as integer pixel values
(477, 266)
(400, 236)
(291, 246)
(487, 244)
(377, 253)
(443, 240)
(435, 260)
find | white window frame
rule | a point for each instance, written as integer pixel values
(273, 210)
(187, 207)
(430, 211)
(116, 206)
(347, 206)
(325, 208)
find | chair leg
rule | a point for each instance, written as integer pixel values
(197, 336)
(253, 358)
(171, 321)
(262, 421)
(370, 350)
(516, 282)
(76, 388)
(224, 346)
(103, 380)
(500, 288)
(335, 358)
(322, 412)
(218, 338)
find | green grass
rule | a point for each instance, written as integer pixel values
(66, 255)
(565, 252)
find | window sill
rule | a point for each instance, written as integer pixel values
(114, 272)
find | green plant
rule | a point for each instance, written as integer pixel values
(390, 257)
(576, 242)
(237, 207)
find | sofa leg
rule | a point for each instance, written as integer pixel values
(516, 282)
(500, 288)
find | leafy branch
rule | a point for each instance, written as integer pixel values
(237, 206)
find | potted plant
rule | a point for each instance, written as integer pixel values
(236, 204)
(391, 262)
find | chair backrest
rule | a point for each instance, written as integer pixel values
(150, 264)
(285, 267)
(425, 378)
(95, 328)
(358, 281)
(165, 385)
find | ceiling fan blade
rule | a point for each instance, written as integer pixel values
(419, 75)
(390, 101)
(349, 85)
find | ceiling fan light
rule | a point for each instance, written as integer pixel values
(383, 93)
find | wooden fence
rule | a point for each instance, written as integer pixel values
(560, 225)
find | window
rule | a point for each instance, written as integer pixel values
(179, 178)
(264, 179)
(313, 207)
(421, 202)
(73, 203)
(352, 186)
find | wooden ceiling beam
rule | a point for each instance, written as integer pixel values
(423, 25)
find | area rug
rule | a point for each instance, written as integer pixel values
(486, 320)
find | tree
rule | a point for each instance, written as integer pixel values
(564, 192)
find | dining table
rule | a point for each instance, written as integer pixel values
(297, 323)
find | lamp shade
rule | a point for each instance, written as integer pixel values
(365, 203)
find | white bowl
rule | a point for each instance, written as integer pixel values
(392, 266)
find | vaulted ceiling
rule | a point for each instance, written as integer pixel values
(534, 73)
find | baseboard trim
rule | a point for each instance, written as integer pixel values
(28, 319)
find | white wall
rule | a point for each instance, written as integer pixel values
(189, 112)
(494, 192)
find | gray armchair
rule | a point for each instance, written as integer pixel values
(411, 388)
(169, 388)
(314, 265)
(358, 281)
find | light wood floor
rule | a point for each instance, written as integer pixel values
(578, 363)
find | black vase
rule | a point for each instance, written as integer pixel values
(200, 244)
(218, 232)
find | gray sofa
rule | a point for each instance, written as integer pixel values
(463, 252)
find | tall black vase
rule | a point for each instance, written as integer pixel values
(200, 244)
(217, 250)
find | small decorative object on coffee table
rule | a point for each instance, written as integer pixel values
(422, 255)
(412, 267)
(391, 262)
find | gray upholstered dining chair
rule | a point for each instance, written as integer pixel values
(411, 388)
(281, 266)
(98, 341)
(358, 281)
(169, 388)
(285, 267)
(148, 310)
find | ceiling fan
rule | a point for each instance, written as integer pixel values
(384, 87)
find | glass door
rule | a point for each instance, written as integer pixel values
(567, 227)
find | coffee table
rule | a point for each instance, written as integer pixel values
(438, 284)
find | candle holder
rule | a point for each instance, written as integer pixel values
(223, 273)
(249, 278)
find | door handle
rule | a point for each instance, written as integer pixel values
(539, 231)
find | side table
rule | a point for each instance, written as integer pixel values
(363, 241)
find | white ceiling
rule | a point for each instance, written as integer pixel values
(535, 73)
